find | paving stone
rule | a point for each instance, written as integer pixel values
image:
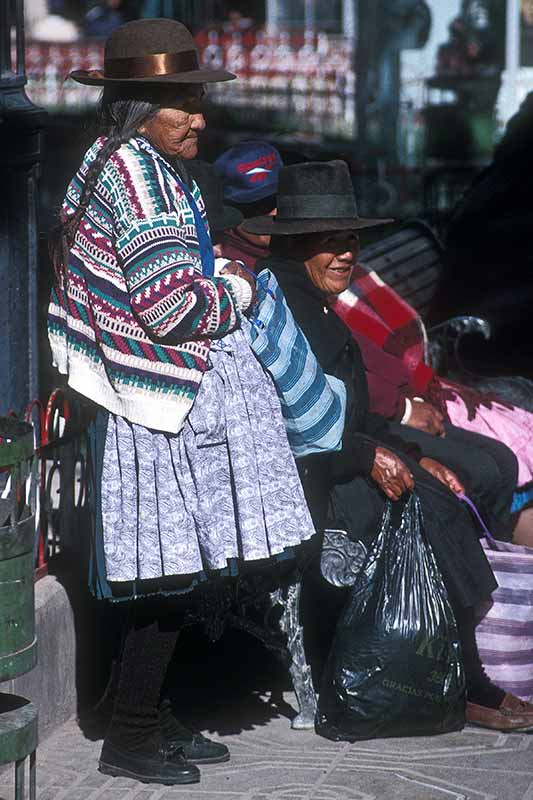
(49, 773)
(197, 793)
(124, 783)
(95, 779)
(75, 793)
(146, 794)
(272, 762)
(48, 793)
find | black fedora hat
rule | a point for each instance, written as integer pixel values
(313, 197)
(150, 51)
(220, 216)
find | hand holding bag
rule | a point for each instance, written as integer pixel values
(313, 404)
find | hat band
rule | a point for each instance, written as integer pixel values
(151, 65)
(315, 206)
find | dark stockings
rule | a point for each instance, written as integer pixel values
(479, 687)
(150, 637)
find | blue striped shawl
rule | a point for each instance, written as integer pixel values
(313, 404)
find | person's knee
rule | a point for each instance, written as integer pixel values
(506, 463)
(487, 464)
(498, 471)
(482, 474)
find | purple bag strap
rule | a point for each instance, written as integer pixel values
(479, 518)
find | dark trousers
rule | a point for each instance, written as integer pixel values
(487, 468)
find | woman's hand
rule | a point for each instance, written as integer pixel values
(426, 418)
(391, 474)
(234, 268)
(442, 474)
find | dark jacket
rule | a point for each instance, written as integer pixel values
(339, 355)
(357, 504)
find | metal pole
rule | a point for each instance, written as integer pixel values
(309, 15)
(20, 156)
(349, 18)
(513, 38)
(19, 780)
(33, 775)
(33, 283)
(5, 40)
(365, 70)
(21, 38)
(272, 15)
(509, 93)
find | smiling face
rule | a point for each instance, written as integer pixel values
(174, 129)
(329, 260)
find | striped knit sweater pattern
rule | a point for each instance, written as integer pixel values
(132, 324)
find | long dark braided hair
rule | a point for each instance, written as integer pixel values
(121, 111)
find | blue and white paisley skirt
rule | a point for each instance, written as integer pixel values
(223, 490)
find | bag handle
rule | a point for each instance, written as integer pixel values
(473, 508)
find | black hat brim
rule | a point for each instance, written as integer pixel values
(88, 78)
(273, 226)
(229, 218)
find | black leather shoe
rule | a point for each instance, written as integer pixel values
(200, 750)
(197, 749)
(168, 766)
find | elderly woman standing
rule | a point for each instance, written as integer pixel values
(314, 248)
(193, 475)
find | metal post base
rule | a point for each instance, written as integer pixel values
(18, 740)
(299, 669)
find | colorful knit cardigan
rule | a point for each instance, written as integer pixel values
(132, 324)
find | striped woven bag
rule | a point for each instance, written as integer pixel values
(505, 631)
(313, 404)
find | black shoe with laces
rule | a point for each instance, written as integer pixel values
(167, 765)
(197, 749)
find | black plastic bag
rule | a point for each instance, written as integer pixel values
(395, 665)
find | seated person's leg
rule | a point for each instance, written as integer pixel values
(523, 532)
(487, 468)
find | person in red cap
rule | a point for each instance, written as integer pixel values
(249, 171)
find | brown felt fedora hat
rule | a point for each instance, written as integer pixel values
(313, 197)
(150, 51)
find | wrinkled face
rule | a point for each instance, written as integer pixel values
(330, 258)
(174, 129)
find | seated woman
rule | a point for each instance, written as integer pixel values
(314, 248)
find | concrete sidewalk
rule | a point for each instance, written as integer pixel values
(270, 761)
